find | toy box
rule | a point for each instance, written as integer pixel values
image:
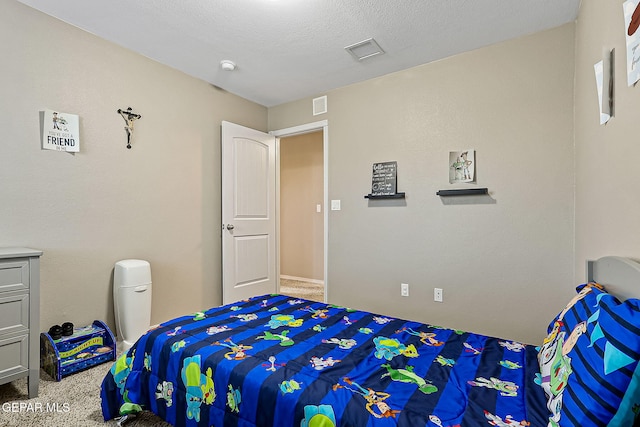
(87, 347)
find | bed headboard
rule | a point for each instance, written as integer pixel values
(620, 276)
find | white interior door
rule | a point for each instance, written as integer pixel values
(248, 213)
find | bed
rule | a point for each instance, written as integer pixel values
(273, 360)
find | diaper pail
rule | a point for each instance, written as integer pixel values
(131, 300)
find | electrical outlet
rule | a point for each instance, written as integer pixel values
(404, 289)
(437, 294)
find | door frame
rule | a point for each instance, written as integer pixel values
(323, 126)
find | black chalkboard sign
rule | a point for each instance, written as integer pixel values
(384, 180)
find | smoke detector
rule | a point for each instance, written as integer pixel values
(364, 49)
(227, 65)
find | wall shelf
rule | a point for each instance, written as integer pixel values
(463, 192)
(384, 196)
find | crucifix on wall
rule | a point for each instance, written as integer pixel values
(129, 117)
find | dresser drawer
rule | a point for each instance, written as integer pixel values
(14, 313)
(14, 275)
(14, 354)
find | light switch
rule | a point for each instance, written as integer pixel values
(318, 208)
(335, 205)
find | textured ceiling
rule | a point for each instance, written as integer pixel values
(290, 49)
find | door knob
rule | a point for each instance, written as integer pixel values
(230, 227)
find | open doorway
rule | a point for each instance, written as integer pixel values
(301, 231)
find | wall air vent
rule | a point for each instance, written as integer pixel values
(320, 105)
(364, 49)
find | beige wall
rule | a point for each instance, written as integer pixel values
(159, 201)
(501, 261)
(607, 202)
(301, 190)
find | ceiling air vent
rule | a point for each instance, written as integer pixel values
(320, 105)
(364, 49)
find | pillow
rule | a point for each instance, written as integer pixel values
(577, 312)
(589, 359)
(627, 414)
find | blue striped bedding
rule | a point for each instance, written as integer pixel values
(277, 361)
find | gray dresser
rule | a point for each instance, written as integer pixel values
(20, 316)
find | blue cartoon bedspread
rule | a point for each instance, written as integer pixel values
(277, 361)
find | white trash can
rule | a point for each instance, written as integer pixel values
(131, 300)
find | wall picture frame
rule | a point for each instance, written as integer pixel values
(462, 166)
(60, 131)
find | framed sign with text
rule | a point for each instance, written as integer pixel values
(61, 131)
(384, 179)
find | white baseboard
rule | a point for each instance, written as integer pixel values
(302, 279)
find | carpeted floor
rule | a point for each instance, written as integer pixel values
(300, 289)
(72, 402)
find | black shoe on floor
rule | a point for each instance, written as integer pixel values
(55, 332)
(67, 329)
